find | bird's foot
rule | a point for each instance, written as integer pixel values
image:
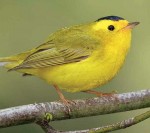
(66, 101)
(62, 98)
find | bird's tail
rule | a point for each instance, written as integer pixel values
(13, 61)
(3, 63)
(8, 62)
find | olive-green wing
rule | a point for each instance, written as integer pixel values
(66, 46)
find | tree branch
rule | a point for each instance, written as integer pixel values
(80, 108)
(104, 129)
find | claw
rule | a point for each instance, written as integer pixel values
(66, 101)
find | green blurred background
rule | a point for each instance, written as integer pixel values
(24, 24)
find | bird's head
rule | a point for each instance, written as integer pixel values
(113, 29)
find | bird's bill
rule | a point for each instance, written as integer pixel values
(131, 25)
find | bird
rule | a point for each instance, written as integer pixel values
(77, 58)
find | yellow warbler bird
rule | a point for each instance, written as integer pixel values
(78, 58)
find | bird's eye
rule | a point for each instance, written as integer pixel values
(111, 27)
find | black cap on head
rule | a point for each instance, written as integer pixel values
(114, 18)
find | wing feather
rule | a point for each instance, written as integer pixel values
(66, 46)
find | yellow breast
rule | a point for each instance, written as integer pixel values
(93, 72)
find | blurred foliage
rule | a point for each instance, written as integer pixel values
(25, 24)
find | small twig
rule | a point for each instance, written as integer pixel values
(44, 123)
(83, 108)
(46, 127)
(120, 125)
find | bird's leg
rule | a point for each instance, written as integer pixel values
(97, 93)
(63, 99)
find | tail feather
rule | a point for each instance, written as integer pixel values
(13, 61)
(8, 59)
(3, 63)
(7, 62)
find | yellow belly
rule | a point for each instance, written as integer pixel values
(84, 75)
